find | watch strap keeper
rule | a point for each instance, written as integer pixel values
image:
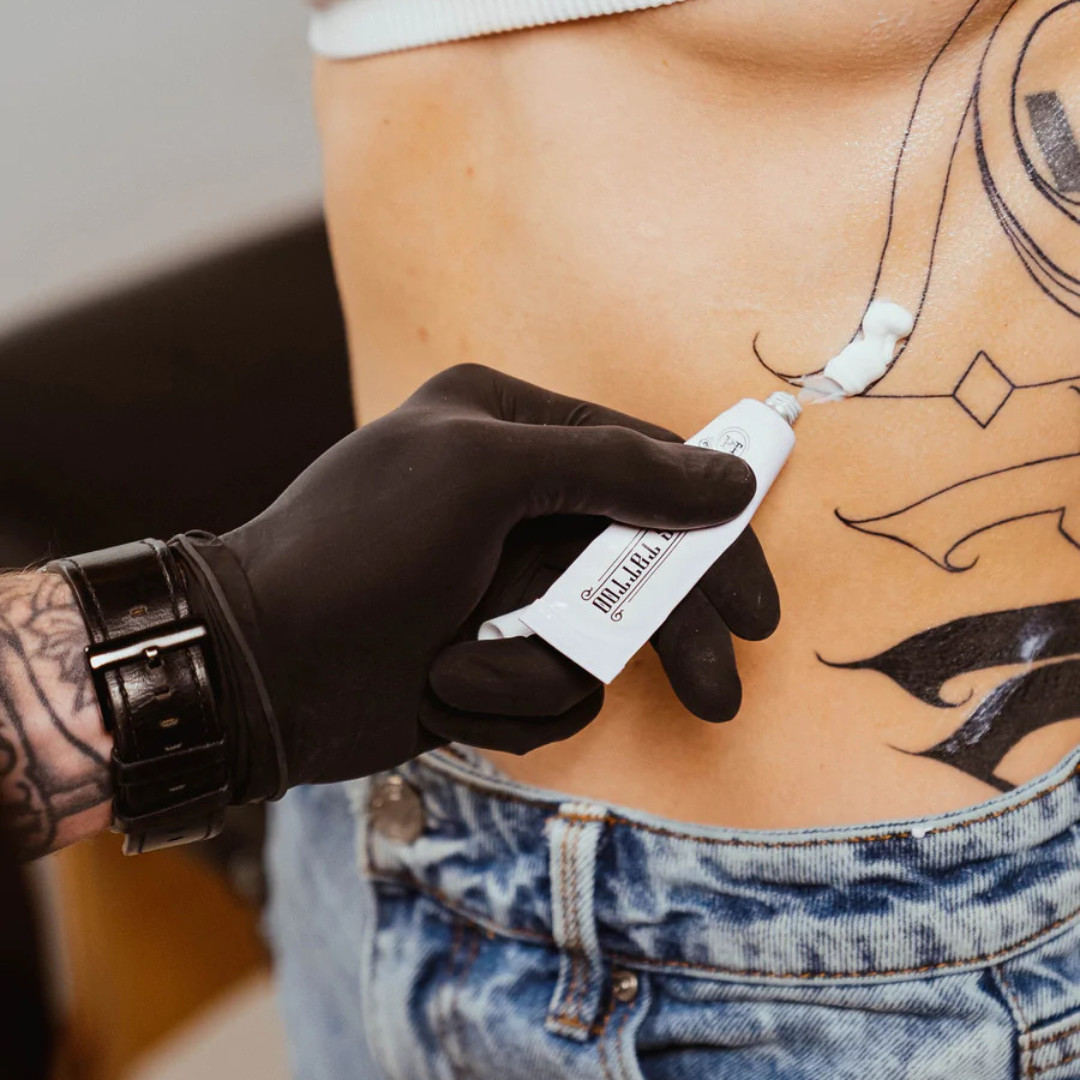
(150, 663)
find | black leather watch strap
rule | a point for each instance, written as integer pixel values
(149, 660)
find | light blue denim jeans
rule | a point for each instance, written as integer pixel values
(471, 927)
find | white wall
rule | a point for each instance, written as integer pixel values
(136, 132)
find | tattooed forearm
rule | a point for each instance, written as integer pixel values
(54, 751)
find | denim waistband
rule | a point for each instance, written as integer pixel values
(896, 900)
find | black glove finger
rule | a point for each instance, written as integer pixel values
(694, 646)
(534, 554)
(512, 735)
(481, 389)
(621, 474)
(741, 588)
(568, 537)
(516, 677)
(566, 456)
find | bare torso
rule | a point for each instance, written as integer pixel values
(652, 211)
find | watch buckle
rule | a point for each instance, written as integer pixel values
(147, 645)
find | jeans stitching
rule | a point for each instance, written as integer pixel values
(1013, 1000)
(645, 962)
(1054, 1065)
(938, 966)
(578, 944)
(573, 1021)
(564, 845)
(1054, 1038)
(719, 841)
(578, 963)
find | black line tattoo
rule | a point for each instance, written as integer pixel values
(48, 773)
(899, 277)
(985, 107)
(1044, 639)
(987, 102)
(939, 524)
(983, 390)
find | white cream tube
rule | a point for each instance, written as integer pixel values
(621, 588)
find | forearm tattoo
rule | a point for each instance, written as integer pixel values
(994, 130)
(54, 771)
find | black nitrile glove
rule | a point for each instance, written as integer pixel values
(517, 676)
(389, 548)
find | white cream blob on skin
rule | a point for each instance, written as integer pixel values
(865, 360)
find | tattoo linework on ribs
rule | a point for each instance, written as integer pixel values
(980, 89)
(970, 102)
(932, 525)
(48, 774)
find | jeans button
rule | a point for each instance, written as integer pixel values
(624, 985)
(396, 809)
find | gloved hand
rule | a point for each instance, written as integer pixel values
(331, 606)
(519, 677)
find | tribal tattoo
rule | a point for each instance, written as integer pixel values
(1041, 644)
(54, 772)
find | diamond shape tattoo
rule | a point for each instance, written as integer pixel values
(983, 389)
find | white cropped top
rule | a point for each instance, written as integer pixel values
(347, 28)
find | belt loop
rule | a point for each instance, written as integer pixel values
(573, 837)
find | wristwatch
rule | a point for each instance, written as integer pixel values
(150, 661)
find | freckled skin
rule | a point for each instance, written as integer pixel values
(624, 209)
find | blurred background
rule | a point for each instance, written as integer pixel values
(171, 355)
